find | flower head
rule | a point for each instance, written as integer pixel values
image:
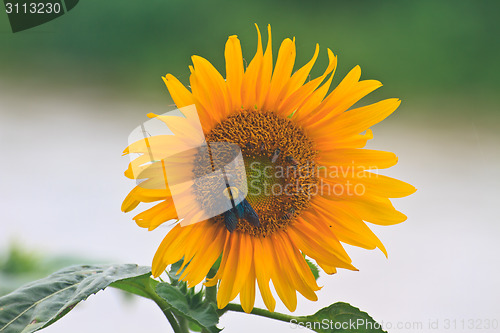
(310, 188)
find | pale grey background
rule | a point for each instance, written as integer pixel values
(62, 187)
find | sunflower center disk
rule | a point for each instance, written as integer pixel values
(279, 163)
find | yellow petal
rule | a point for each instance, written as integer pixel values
(250, 78)
(356, 159)
(338, 94)
(130, 203)
(321, 240)
(352, 141)
(245, 262)
(330, 218)
(312, 102)
(281, 74)
(372, 183)
(301, 75)
(225, 255)
(301, 277)
(283, 286)
(373, 209)
(238, 266)
(263, 272)
(150, 195)
(139, 194)
(198, 233)
(180, 95)
(157, 215)
(208, 251)
(327, 268)
(169, 245)
(309, 246)
(247, 295)
(342, 103)
(234, 70)
(264, 80)
(215, 86)
(358, 120)
(302, 93)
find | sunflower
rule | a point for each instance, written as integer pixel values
(312, 185)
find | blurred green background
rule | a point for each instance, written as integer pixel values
(18, 266)
(423, 51)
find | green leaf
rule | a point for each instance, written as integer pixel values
(137, 285)
(339, 318)
(313, 267)
(194, 327)
(196, 299)
(203, 315)
(43, 302)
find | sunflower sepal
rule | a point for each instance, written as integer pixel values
(313, 267)
(175, 272)
(188, 307)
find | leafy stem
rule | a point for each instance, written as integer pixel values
(164, 306)
(210, 292)
(183, 324)
(145, 286)
(259, 312)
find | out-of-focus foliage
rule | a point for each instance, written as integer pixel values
(19, 266)
(425, 48)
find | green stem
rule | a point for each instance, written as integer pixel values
(164, 306)
(211, 292)
(172, 321)
(260, 312)
(183, 324)
(146, 288)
